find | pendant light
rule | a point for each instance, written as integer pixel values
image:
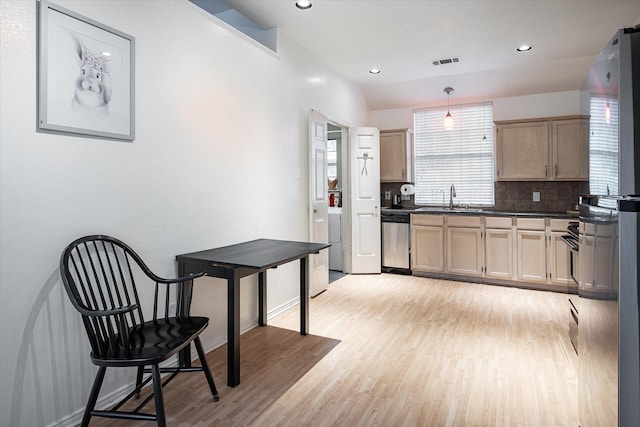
(448, 120)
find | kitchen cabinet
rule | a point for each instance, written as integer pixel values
(522, 151)
(606, 256)
(543, 256)
(396, 155)
(543, 149)
(465, 254)
(531, 249)
(427, 243)
(559, 254)
(570, 149)
(585, 272)
(597, 242)
(499, 248)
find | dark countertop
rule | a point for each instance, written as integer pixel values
(476, 212)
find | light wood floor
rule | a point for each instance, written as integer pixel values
(391, 350)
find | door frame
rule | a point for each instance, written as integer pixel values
(346, 197)
(346, 190)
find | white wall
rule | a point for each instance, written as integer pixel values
(516, 107)
(220, 156)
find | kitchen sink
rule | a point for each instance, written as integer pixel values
(439, 209)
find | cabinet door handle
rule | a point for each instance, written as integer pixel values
(546, 167)
(556, 170)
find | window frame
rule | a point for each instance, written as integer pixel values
(467, 150)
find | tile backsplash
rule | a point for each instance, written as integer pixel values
(394, 189)
(555, 196)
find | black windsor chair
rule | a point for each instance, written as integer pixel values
(99, 274)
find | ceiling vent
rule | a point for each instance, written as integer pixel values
(446, 61)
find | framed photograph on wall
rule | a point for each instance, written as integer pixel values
(85, 76)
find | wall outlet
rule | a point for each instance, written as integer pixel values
(172, 309)
(387, 195)
(536, 196)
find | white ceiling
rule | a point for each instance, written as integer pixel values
(403, 37)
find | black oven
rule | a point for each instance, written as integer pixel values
(572, 239)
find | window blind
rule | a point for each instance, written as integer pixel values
(462, 156)
(603, 146)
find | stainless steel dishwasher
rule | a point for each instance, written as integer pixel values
(396, 242)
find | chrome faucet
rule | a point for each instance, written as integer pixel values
(452, 194)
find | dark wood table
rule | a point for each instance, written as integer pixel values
(241, 260)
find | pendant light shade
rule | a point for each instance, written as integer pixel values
(448, 120)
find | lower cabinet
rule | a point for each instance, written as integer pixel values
(532, 255)
(587, 248)
(559, 264)
(597, 242)
(499, 253)
(543, 256)
(464, 245)
(501, 248)
(427, 243)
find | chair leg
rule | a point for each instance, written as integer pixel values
(205, 368)
(139, 379)
(157, 394)
(93, 396)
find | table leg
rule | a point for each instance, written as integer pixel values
(184, 357)
(233, 328)
(304, 295)
(262, 298)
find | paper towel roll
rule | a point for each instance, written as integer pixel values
(407, 189)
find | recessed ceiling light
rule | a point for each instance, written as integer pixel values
(374, 71)
(303, 4)
(524, 48)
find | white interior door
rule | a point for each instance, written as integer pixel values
(318, 202)
(364, 155)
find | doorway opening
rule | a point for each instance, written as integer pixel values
(355, 201)
(337, 186)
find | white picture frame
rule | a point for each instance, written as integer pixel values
(85, 76)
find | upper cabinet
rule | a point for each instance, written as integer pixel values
(522, 150)
(396, 155)
(543, 149)
(570, 149)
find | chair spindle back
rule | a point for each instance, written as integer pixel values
(100, 274)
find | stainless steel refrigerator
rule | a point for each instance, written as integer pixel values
(609, 299)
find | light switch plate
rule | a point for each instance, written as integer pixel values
(387, 195)
(536, 196)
